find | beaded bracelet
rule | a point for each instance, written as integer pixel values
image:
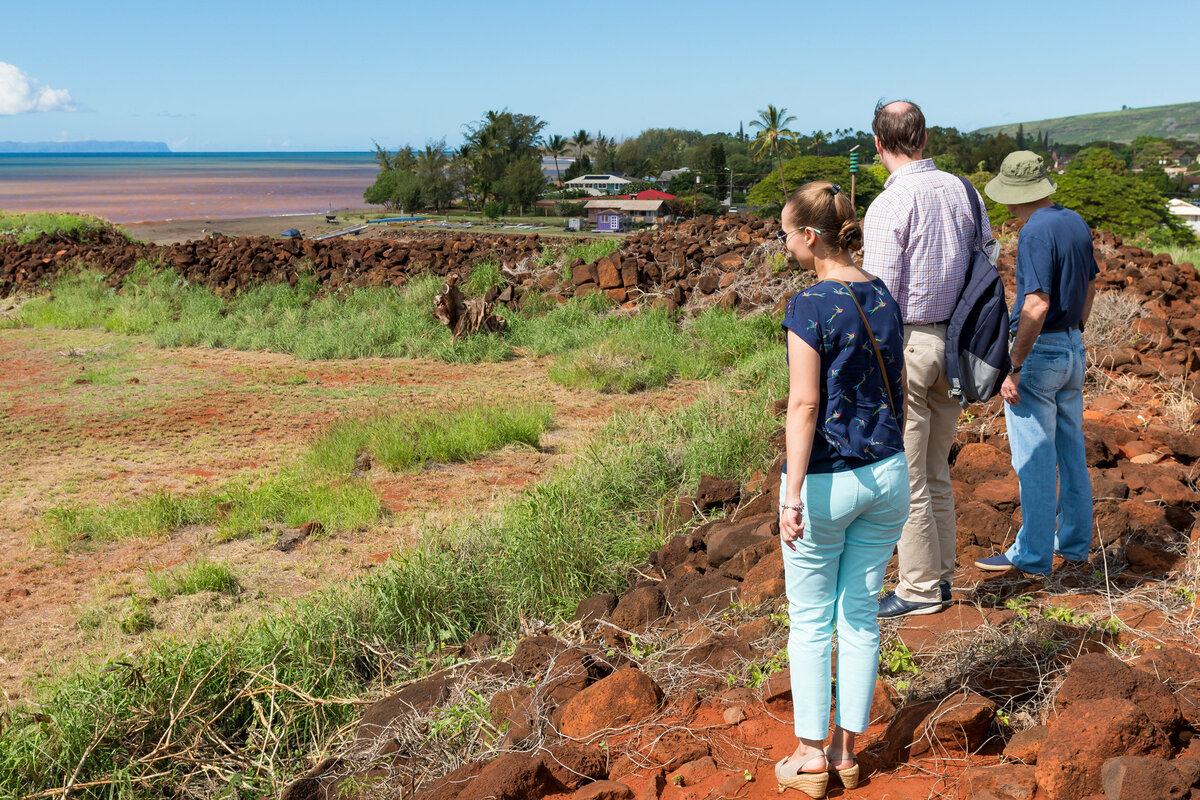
(797, 507)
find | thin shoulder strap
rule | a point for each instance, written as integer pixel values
(887, 384)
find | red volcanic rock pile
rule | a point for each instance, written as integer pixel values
(704, 260)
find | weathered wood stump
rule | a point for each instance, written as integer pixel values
(465, 317)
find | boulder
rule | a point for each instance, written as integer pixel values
(713, 491)
(962, 723)
(638, 608)
(1179, 671)
(765, 579)
(1084, 736)
(978, 463)
(512, 776)
(1001, 782)
(596, 607)
(1025, 745)
(726, 539)
(1099, 676)
(534, 653)
(1139, 778)
(604, 790)
(626, 697)
(575, 765)
(413, 699)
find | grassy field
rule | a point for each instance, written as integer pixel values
(1119, 126)
(133, 723)
(606, 352)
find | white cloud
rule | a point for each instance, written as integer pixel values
(21, 94)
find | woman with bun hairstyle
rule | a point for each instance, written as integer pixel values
(844, 495)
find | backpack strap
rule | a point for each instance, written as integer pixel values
(887, 384)
(973, 198)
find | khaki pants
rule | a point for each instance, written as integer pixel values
(927, 545)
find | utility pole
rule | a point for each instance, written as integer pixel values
(694, 193)
(853, 171)
(730, 187)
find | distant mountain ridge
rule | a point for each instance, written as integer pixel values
(89, 146)
(1179, 121)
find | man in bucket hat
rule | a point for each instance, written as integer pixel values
(1043, 394)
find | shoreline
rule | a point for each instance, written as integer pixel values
(174, 231)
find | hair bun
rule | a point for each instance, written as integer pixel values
(850, 237)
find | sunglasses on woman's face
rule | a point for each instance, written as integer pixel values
(782, 235)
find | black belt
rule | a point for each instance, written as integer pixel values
(1076, 327)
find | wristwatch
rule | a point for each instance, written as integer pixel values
(1014, 369)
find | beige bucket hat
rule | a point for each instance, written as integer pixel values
(1022, 179)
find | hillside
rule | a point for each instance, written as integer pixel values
(1181, 121)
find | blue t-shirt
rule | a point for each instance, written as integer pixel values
(1054, 255)
(855, 424)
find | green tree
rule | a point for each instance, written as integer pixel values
(606, 153)
(437, 189)
(1097, 159)
(497, 141)
(524, 183)
(581, 140)
(773, 136)
(383, 191)
(1121, 204)
(683, 183)
(768, 193)
(556, 147)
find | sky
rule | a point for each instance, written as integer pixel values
(265, 76)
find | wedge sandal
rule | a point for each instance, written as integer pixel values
(813, 784)
(849, 775)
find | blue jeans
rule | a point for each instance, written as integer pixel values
(852, 521)
(1045, 431)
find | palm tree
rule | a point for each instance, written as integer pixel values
(819, 138)
(582, 140)
(556, 146)
(773, 136)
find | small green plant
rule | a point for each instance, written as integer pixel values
(760, 672)
(747, 775)
(1184, 593)
(1057, 613)
(137, 619)
(1020, 605)
(895, 658)
(1113, 626)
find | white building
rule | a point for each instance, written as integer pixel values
(599, 184)
(1189, 213)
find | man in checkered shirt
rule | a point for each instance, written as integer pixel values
(918, 237)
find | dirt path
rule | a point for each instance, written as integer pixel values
(88, 418)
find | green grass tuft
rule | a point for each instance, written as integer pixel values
(403, 442)
(484, 276)
(198, 576)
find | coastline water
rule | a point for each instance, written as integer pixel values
(124, 188)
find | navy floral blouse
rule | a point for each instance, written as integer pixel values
(855, 424)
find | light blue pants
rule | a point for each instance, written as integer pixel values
(1045, 432)
(852, 521)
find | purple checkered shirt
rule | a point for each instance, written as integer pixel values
(918, 236)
